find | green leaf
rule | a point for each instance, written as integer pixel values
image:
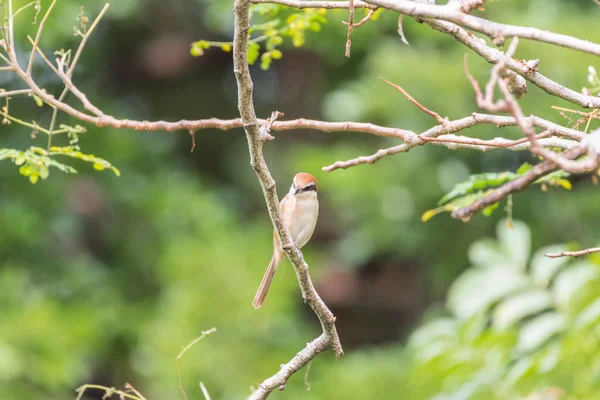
(453, 205)
(572, 280)
(589, 316)
(477, 289)
(524, 168)
(520, 306)
(543, 268)
(477, 182)
(198, 48)
(276, 54)
(536, 332)
(516, 242)
(253, 52)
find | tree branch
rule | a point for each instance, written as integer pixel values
(496, 31)
(494, 56)
(574, 253)
(256, 136)
(459, 125)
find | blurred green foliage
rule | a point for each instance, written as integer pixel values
(514, 326)
(104, 280)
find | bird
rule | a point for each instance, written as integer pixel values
(300, 210)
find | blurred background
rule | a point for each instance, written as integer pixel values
(104, 279)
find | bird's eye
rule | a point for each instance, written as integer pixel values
(308, 188)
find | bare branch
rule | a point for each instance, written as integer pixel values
(85, 39)
(494, 56)
(279, 380)
(496, 31)
(14, 92)
(574, 253)
(459, 125)
(180, 356)
(329, 338)
(365, 18)
(68, 84)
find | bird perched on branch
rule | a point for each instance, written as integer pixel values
(300, 210)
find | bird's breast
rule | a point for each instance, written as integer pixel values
(303, 219)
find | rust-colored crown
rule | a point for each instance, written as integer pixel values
(303, 179)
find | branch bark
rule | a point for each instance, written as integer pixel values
(256, 136)
(574, 253)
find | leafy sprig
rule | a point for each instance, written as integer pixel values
(269, 35)
(479, 185)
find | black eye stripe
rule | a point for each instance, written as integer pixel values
(309, 188)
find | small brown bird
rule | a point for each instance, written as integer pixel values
(300, 209)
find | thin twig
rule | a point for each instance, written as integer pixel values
(350, 26)
(574, 253)
(69, 86)
(85, 39)
(129, 386)
(38, 35)
(435, 115)
(363, 21)
(204, 391)
(306, 383)
(14, 92)
(180, 355)
(453, 127)
(108, 392)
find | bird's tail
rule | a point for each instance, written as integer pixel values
(263, 289)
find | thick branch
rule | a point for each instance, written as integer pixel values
(496, 31)
(494, 56)
(256, 137)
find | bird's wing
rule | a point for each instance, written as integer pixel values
(287, 205)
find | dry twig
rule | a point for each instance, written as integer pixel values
(574, 253)
(435, 115)
(180, 355)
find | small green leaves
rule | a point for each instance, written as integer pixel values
(35, 162)
(271, 32)
(253, 53)
(477, 182)
(198, 48)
